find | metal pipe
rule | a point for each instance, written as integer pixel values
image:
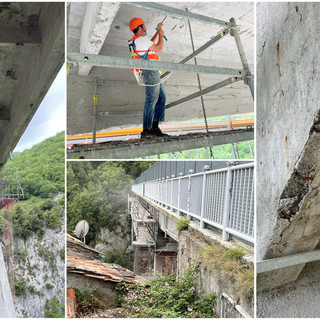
(200, 93)
(202, 48)
(249, 79)
(227, 202)
(107, 61)
(243, 312)
(287, 261)
(94, 118)
(177, 12)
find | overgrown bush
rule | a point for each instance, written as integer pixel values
(115, 257)
(182, 224)
(87, 302)
(54, 308)
(20, 287)
(164, 297)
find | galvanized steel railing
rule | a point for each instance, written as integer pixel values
(221, 198)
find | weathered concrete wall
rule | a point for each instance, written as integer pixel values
(288, 101)
(288, 150)
(191, 244)
(101, 289)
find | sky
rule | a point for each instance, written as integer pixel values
(50, 117)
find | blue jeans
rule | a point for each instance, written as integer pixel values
(154, 107)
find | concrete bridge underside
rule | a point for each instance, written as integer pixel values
(32, 53)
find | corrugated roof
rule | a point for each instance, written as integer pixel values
(100, 270)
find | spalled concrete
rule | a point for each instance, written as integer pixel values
(288, 139)
(117, 90)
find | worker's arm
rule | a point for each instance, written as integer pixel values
(155, 38)
(157, 47)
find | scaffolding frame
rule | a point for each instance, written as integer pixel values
(230, 27)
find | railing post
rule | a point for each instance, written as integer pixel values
(171, 206)
(189, 193)
(167, 196)
(227, 202)
(179, 191)
(204, 194)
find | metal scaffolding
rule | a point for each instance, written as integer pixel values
(229, 27)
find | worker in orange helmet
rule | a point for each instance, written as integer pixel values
(154, 107)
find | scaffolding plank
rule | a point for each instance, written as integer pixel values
(159, 145)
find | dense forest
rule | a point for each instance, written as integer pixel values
(98, 192)
(40, 171)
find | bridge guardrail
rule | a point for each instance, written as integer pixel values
(221, 198)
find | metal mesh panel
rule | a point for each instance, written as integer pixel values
(242, 208)
(184, 193)
(175, 190)
(196, 195)
(215, 195)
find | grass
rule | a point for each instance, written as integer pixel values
(228, 262)
(182, 224)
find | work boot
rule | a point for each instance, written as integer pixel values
(157, 132)
(145, 134)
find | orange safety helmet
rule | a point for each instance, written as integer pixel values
(135, 22)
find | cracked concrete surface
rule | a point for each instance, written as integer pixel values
(288, 142)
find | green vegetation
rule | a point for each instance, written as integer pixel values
(21, 254)
(182, 224)
(87, 303)
(49, 286)
(97, 192)
(21, 288)
(62, 253)
(228, 262)
(54, 308)
(115, 257)
(167, 298)
(41, 174)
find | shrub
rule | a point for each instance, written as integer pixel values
(167, 298)
(115, 257)
(20, 287)
(53, 308)
(87, 302)
(62, 253)
(21, 254)
(49, 286)
(182, 224)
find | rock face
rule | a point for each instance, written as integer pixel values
(117, 239)
(39, 272)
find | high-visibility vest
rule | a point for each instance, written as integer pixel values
(142, 54)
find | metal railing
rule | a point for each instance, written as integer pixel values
(221, 198)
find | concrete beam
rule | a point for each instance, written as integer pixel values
(178, 12)
(134, 149)
(38, 76)
(107, 61)
(96, 25)
(19, 36)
